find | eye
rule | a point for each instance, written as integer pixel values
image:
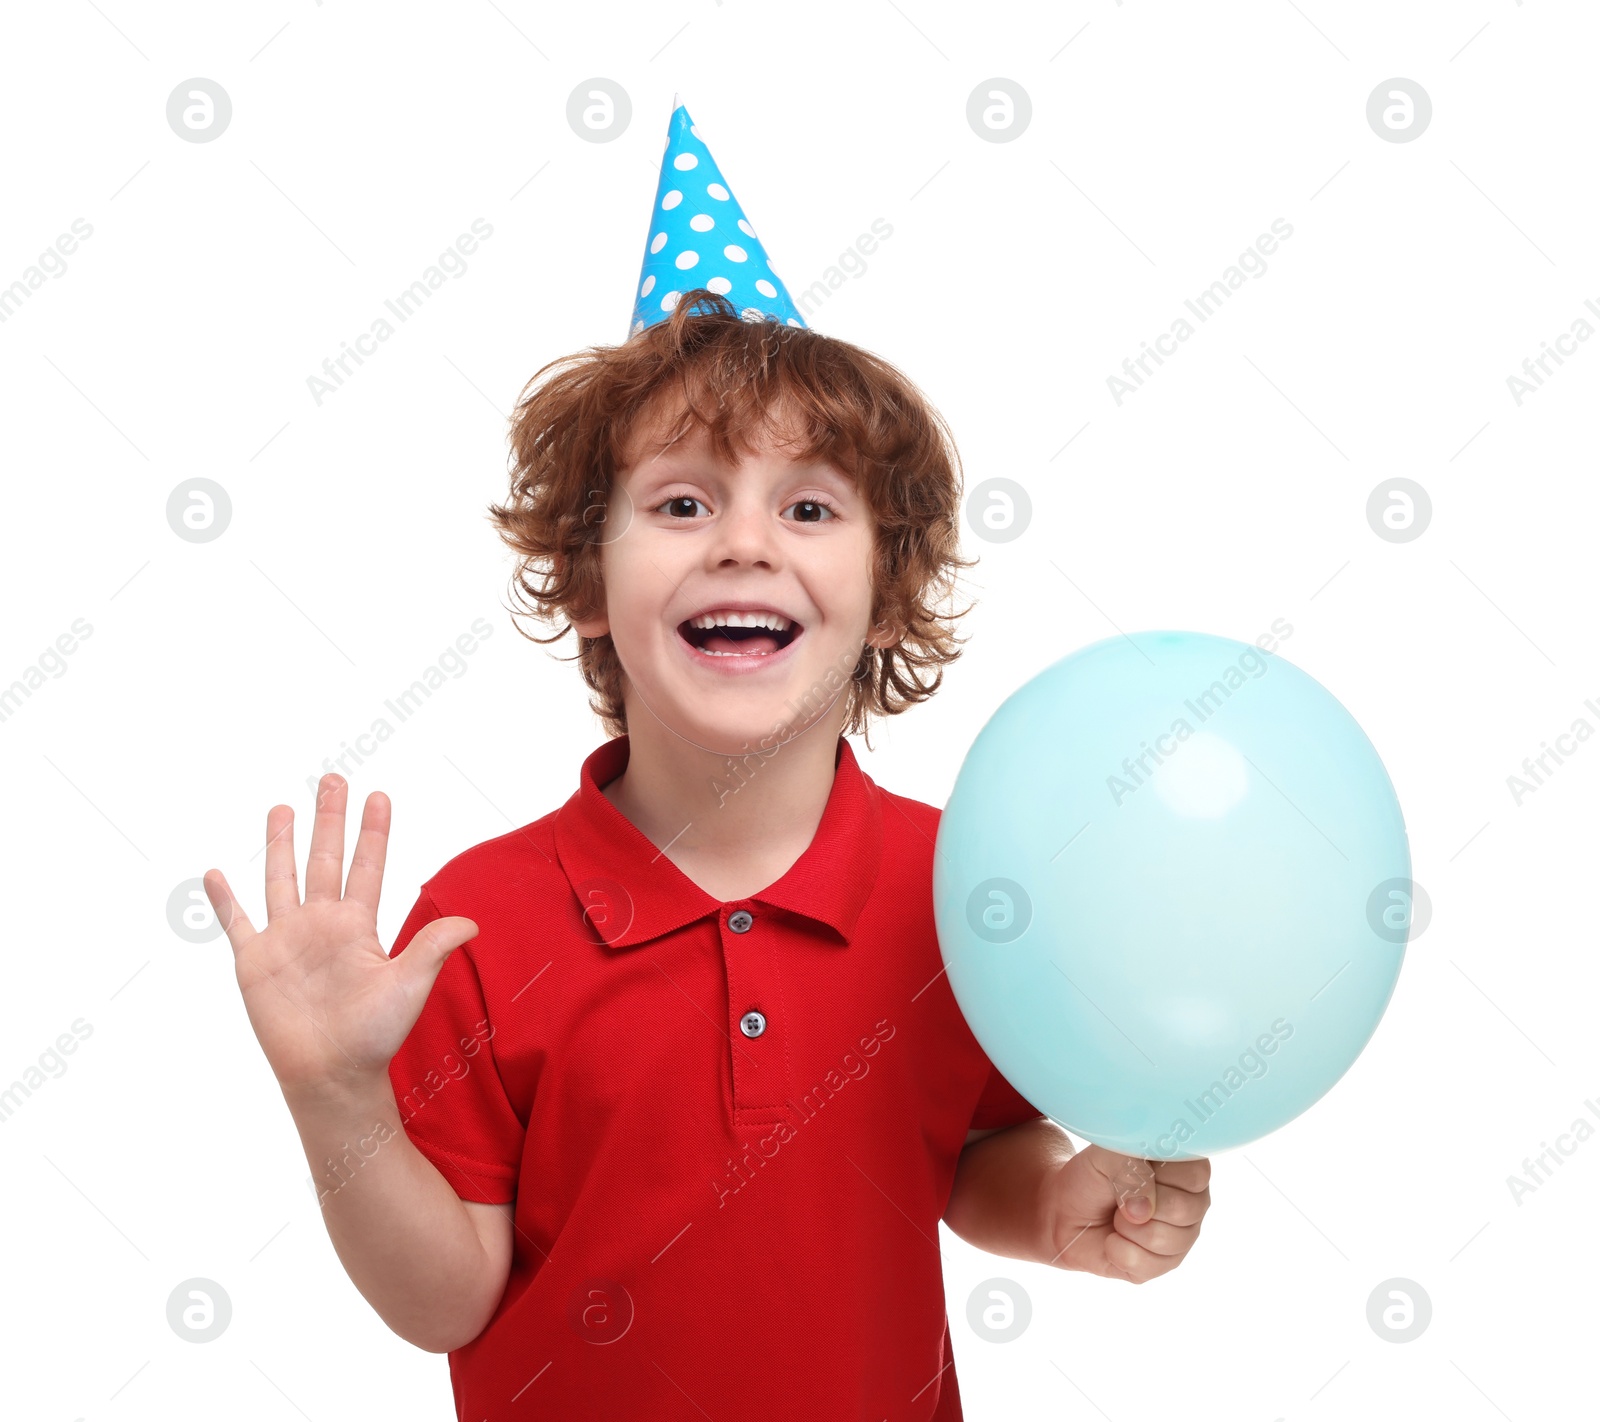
(678, 499)
(815, 509)
(681, 507)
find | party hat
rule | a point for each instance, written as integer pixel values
(699, 236)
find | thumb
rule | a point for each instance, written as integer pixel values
(1132, 1181)
(418, 964)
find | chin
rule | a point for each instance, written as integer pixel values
(743, 719)
(754, 724)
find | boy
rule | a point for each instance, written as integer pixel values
(673, 1135)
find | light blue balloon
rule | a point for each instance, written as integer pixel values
(1173, 891)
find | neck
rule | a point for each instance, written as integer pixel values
(727, 821)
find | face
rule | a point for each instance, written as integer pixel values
(739, 596)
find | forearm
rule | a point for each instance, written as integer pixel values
(998, 1201)
(402, 1233)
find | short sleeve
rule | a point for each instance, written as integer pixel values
(1001, 1104)
(453, 1104)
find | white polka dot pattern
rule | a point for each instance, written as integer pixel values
(692, 201)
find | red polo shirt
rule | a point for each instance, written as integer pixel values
(730, 1129)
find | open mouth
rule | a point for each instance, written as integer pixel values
(739, 634)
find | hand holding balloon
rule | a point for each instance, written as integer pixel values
(1125, 1218)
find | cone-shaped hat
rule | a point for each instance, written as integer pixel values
(700, 236)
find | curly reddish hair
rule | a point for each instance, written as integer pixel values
(743, 381)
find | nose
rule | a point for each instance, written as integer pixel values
(745, 536)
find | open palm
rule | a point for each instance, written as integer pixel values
(328, 1005)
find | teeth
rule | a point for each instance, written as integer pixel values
(776, 622)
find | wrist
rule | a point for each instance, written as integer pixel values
(336, 1100)
(342, 1125)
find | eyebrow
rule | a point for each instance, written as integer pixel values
(673, 462)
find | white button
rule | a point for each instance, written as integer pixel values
(740, 920)
(752, 1024)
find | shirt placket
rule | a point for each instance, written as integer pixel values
(757, 1029)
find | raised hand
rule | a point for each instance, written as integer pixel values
(328, 1005)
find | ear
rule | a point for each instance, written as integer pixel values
(883, 634)
(595, 625)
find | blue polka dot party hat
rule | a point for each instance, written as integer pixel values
(700, 236)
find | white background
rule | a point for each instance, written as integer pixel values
(1229, 491)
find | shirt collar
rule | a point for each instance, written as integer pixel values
(632, 892)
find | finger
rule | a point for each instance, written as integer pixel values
(1134, 1182)
(325, 862)
(1192, 1175)
(1179, 1207)
(283, 887)
(1131, 1262)
(1157, 1236)
(365, 881)
(419, 963)
(230, 914)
